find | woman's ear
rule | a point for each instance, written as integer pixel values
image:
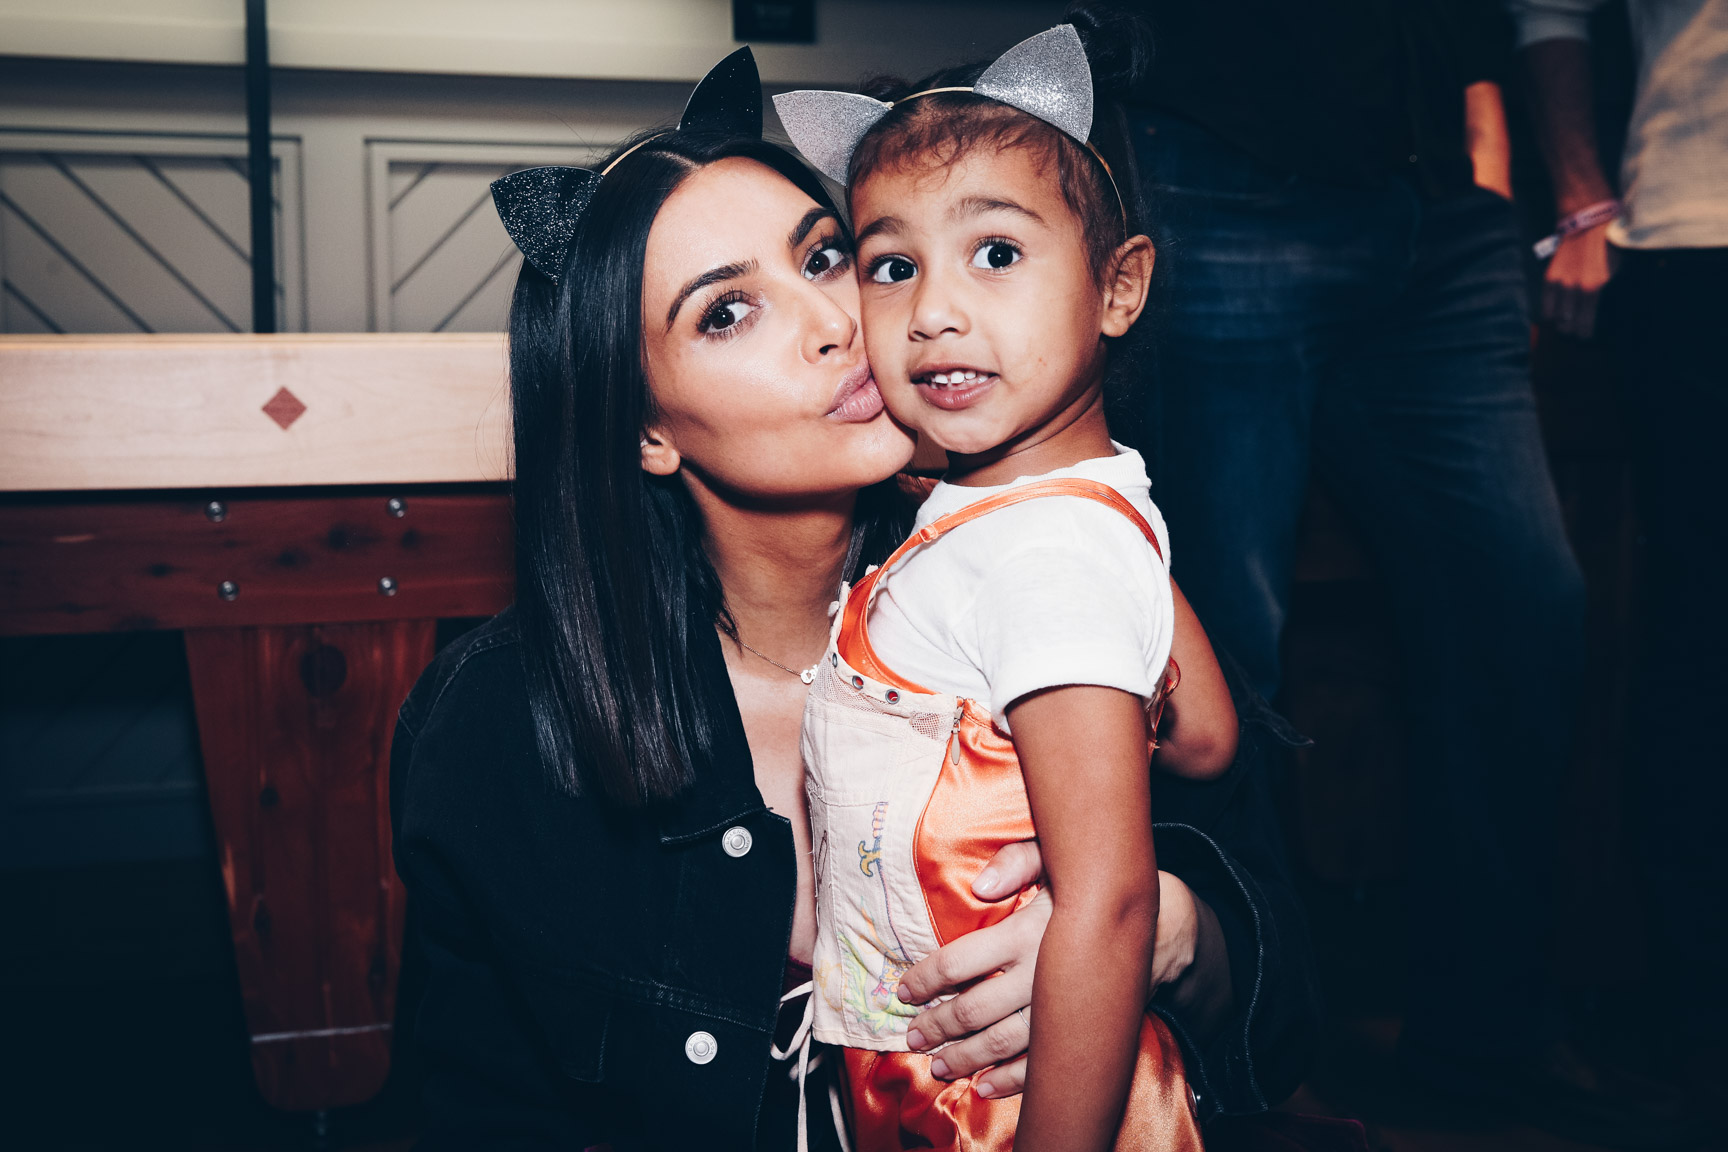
(1130, 280)
(659, 457)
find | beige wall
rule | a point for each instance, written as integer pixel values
(603, 39)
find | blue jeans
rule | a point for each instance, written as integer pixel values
(1380, 342)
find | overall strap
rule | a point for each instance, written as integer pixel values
(1064, 486)
(864, 592)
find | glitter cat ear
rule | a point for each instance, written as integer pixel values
(1047, 76)
(728, 100)
(540, 207)
(825, 127)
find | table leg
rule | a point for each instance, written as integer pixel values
(295, 724)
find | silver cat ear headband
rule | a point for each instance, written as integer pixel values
(540, 206)
(1047, 76)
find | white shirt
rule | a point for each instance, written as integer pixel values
(1674, 174)
(1056, 591)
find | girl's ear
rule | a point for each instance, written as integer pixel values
(1129, 282)
(659, 457)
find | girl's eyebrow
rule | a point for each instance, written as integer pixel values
(979, 205)
(712, 276)
(882, 225)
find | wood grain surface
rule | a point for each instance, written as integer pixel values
(71, 564)
(295, 725)
(126, 412)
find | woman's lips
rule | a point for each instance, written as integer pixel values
(858, 399)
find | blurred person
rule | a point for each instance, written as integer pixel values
(1346, 299)
(1655, 254)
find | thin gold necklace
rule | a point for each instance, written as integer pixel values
(808, 675)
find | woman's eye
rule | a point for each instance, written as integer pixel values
(995, 254)
(892, 270)
(725, 315)
(823, 261)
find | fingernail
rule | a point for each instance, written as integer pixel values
(915, 1040)
(939, 1068)
(987, 882)
(903, 993)
(985, 1089)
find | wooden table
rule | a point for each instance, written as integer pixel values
(304, 508)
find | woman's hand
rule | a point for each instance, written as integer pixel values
(990, 1021)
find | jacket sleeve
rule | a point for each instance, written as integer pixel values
(491, 1080)
(1222, 839)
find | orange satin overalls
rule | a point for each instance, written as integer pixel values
(911, 793)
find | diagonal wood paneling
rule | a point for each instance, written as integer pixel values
(452, 266)
(124, 242)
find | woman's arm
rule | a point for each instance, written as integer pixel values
(1082, 750)
(1197, 735)
(490, 1081)
(988, 975)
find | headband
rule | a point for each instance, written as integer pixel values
(1047, 76)
(541, 206)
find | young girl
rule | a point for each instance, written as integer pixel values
(1002, 674)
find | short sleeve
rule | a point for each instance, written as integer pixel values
(1052, 615)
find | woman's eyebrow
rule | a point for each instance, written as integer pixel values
(811, 218)
(979, 205)
(712, 276)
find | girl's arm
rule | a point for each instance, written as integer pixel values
(1197, 736)
(1083, 752)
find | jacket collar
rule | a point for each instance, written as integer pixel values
(724, 792)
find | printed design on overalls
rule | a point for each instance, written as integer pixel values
(878, 959)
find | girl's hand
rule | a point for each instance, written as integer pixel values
(989, 1021)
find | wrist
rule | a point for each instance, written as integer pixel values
(1596, 215)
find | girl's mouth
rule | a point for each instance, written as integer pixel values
(953, 387)
(858, 399)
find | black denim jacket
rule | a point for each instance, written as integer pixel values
(598, 976)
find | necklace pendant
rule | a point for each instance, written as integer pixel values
(808, 675)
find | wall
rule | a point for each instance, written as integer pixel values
(605, 39)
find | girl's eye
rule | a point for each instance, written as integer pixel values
(995, 254)
(726, 314)
(892, 270)
(824, 260)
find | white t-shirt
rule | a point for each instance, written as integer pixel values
(1055, 591)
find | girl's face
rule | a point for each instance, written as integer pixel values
(985, 317)
(751, 340)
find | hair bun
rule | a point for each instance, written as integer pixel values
(885, 88)
(1118, 45)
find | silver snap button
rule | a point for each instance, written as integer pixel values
(857, 681)
(834, 659)
(736, 841)
(893, 696)
(701, 1047)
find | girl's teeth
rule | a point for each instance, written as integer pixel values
(965, 377)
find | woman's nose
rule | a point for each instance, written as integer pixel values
(832, 330)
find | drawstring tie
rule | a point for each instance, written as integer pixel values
(799, 1046)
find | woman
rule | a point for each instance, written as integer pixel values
(598, 796)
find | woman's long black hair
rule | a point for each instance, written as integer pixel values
(615, 596)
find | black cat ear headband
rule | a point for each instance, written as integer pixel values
(1047, 76)
(540, 206)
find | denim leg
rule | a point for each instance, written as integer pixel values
(1427, 433)
(1260, 276)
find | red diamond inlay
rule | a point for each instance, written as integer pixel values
(284, 408)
